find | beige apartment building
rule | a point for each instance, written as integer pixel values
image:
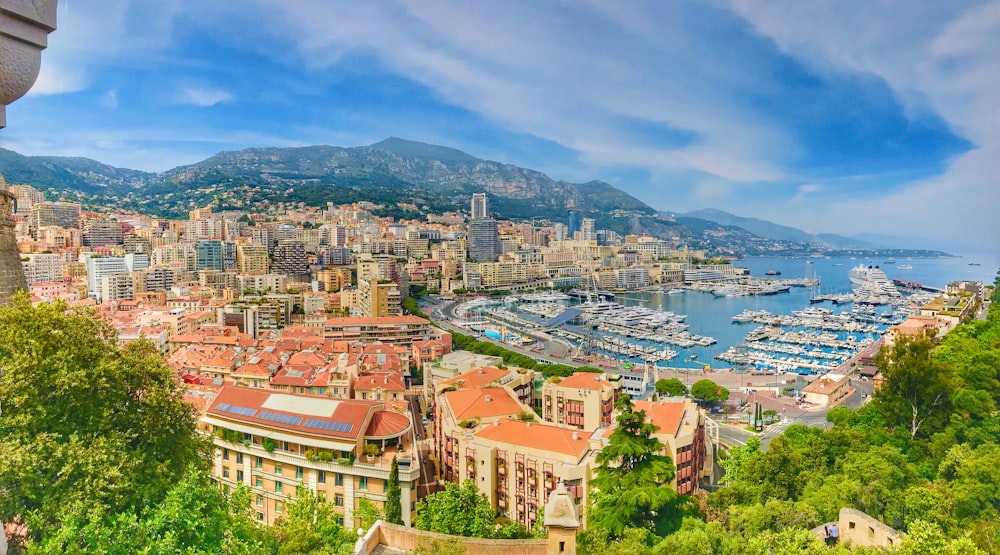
(275, 443)
(584, 401)
(681, 429)
(486, 435)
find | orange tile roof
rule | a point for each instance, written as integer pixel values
(387, 424)
(585, 380)
(392, 381)
(665, 416)
(472, 403)
(537, 436)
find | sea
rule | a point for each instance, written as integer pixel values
(712, 316)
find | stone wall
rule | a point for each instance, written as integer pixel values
(11, 272)
(857, 528)
(407, 539)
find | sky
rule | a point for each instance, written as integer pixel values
(846, 116)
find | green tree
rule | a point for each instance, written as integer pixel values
(738, 456)
(195, 517)
(917, 389)
(459, 510)
(367, 512)
(310, 527)
(672, 387)
(708, 391)
(393, 508)
(632, 482)
(83, 421)
(598, 541)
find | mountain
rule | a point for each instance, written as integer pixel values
(407, 178)
(762, 228)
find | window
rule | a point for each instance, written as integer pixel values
(362, 482)
(239, 475)
(321, 477)
(225, 472)
(239, 457)
(278, 487)
(259, 482)
(225, 454)
(338, 500)
(247, 437)
(260, 515)
(298, 472)
(278, 507)
(260, 463)
(277, 469)
(340, 520)
(284, 445)
(260, 500)
(338, 479)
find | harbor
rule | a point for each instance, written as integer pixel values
(691, 327)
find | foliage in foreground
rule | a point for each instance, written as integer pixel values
(460, 510)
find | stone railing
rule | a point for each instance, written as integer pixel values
(24, 29)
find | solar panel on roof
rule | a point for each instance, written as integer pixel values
(281, 418)
(236, 409)
(329, 425)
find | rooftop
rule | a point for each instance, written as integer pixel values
(543, 437)
(480, 403)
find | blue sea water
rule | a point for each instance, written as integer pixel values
(711, 315)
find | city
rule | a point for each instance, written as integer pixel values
(400, 347)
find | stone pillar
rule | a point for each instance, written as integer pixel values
(11, 272)
(24, 29)
(561, 522)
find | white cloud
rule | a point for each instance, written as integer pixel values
(57, 79)
(202, 96)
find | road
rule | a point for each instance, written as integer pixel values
(428, 470)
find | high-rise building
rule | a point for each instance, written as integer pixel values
(572, 224)
(290, 258)
(101, 232)
(251, 258)
(97, 268)
(480, 207)
(209, 255)
(378, 298)
(587, 231)
(484, 240)
(59, 214)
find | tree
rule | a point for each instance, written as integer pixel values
(393, 509)
(632, 482)
(708, 391)
(738, 456)
(917, 388)
(195, 517)
(459, 510)
(672, 387)
(310, 526)
(84, 422)
(367, 512)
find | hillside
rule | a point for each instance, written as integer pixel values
(408, 178)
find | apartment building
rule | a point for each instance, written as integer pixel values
(485, 435)
(681, 429)
(584, 401)
(378, 298)
(275, 443)
(400, 330)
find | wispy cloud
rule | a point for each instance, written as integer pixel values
(201, 96)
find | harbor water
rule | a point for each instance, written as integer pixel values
(712, 316)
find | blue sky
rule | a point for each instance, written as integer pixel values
(845, 117)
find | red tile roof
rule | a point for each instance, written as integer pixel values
(387, 424)
(473, 403)
(537, 436)
(666, 416)
(585, 380)
(392, 381)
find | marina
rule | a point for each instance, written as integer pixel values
(799, 331)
